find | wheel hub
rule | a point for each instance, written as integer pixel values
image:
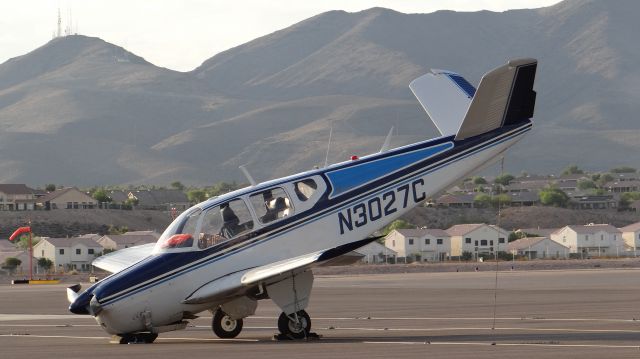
(228, 324)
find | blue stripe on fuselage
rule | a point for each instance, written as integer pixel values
(347, 179)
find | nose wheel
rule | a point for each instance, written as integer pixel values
(296, 325)
(225, 327)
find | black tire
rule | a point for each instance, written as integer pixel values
(138, 338)
(225, 327)
(287, 326)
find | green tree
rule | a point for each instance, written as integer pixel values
(552, 196)
(12, 263)
(177, 185)
(397, 224)
(50, 187)
(117, 229)
(572, 170)
(501, 200)
(196, 195)
(479, 180)
(504, 179)
(603, 178)
(585, 184)
(482, 200)
(101, 196)
(623, 169)
(45, 263)
(23, 241)
(628, 197)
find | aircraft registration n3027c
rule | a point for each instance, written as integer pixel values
(260, 242)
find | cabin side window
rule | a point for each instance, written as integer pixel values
(272, 205)
(224, 222)
(305, 188)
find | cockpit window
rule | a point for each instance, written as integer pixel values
(181, 233)
(305, 189)
(224, 222)
(271, 205)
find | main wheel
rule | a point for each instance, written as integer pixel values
(289, 326)
(225, 327)
(138, 338)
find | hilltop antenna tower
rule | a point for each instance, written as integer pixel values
(59, 32)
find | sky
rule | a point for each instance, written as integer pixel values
(181, 34)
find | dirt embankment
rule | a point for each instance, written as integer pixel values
(518, 217)
(70, 222)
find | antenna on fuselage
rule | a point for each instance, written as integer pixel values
(326, 158)
(247, 174)
(387, 141)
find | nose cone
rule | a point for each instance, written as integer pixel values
(81, 304)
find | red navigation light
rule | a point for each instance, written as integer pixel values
(354, 158)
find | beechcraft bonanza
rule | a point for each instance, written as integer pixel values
(227, 253)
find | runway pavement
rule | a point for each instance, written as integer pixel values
(541, 314)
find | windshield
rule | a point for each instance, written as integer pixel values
(180, 232)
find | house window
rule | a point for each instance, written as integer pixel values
(500, 240)
(615, 238)
(483, 242)
(69, 205)
(564, 239)
(602, 237)
(468, 240)
(491, 242)
(393, 243)
(410, 241)
(75, 205)
(78, 251)
(90, 250)
(61, 251)
(439, 241)
(476, 243)
(427, 241)
(42, 253)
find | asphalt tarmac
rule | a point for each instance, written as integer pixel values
(538, 314)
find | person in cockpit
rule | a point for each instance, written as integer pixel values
(230, 222)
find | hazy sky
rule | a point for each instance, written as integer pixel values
(181, 34)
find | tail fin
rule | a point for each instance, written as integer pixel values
(445, 96)
(505, 96)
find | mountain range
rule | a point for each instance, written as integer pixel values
(81, 111)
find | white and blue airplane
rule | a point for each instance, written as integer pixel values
(260, 242)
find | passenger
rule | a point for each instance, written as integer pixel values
(271, 213)
(230, 222)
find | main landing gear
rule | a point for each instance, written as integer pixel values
(225, 327)
(294, 326)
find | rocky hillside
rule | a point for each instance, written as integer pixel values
(82, 111)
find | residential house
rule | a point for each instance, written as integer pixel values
(482, 240)
(160, 199)
(458, 200)
(524, 198)
(591, 239)
(67, 198)
(537, 247)
(375, 252)
(635, 206)
(589, 201)
(420, 244)
(16, 197)
(631, 237)
(623, 186)
(68, 253)
(129, 239)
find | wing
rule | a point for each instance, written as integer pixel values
(116, 261)
(241, 282)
